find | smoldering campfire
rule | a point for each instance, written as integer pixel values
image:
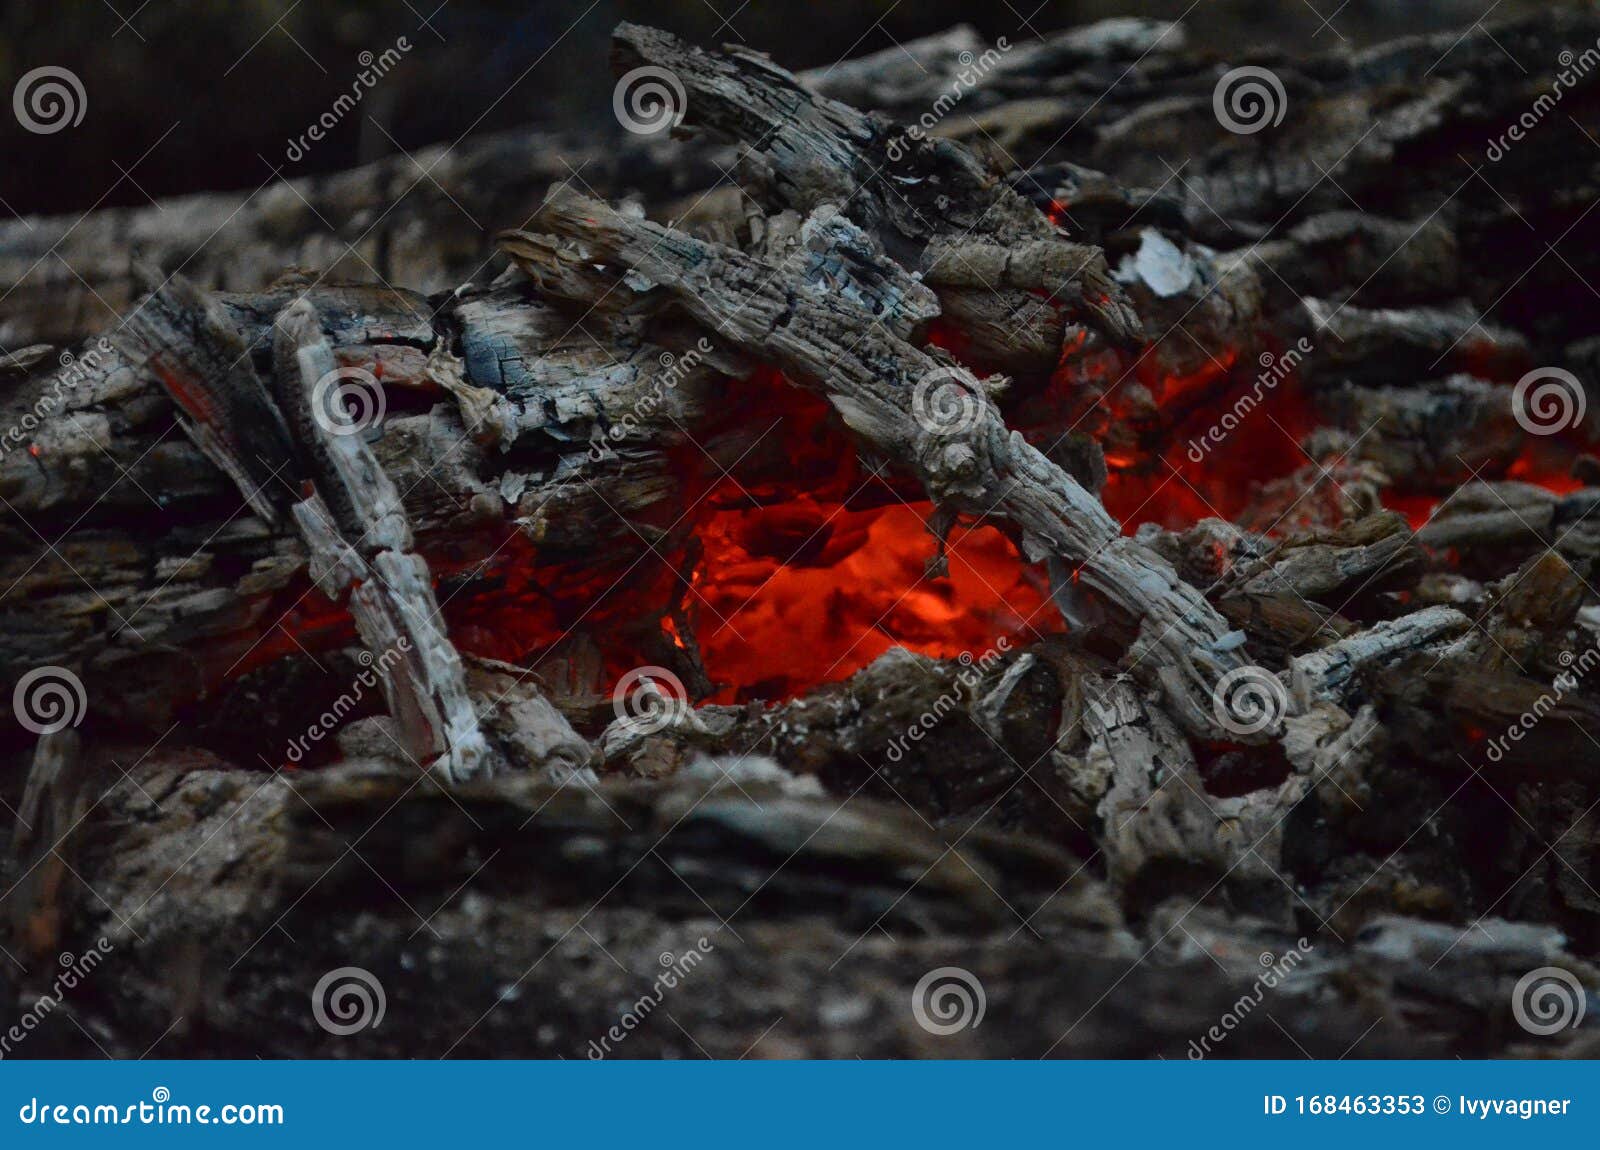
(970, 608)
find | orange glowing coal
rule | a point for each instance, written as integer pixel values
(1543, 463)
(808, 592)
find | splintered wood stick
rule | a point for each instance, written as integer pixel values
(184, 338)
(359, 537)
(931, 203)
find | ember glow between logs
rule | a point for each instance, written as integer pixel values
(806, 574)
(801, 593)
(800, 578)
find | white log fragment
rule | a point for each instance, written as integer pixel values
(369, 539)
(1323, 674)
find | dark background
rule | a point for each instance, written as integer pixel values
(189, 96)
